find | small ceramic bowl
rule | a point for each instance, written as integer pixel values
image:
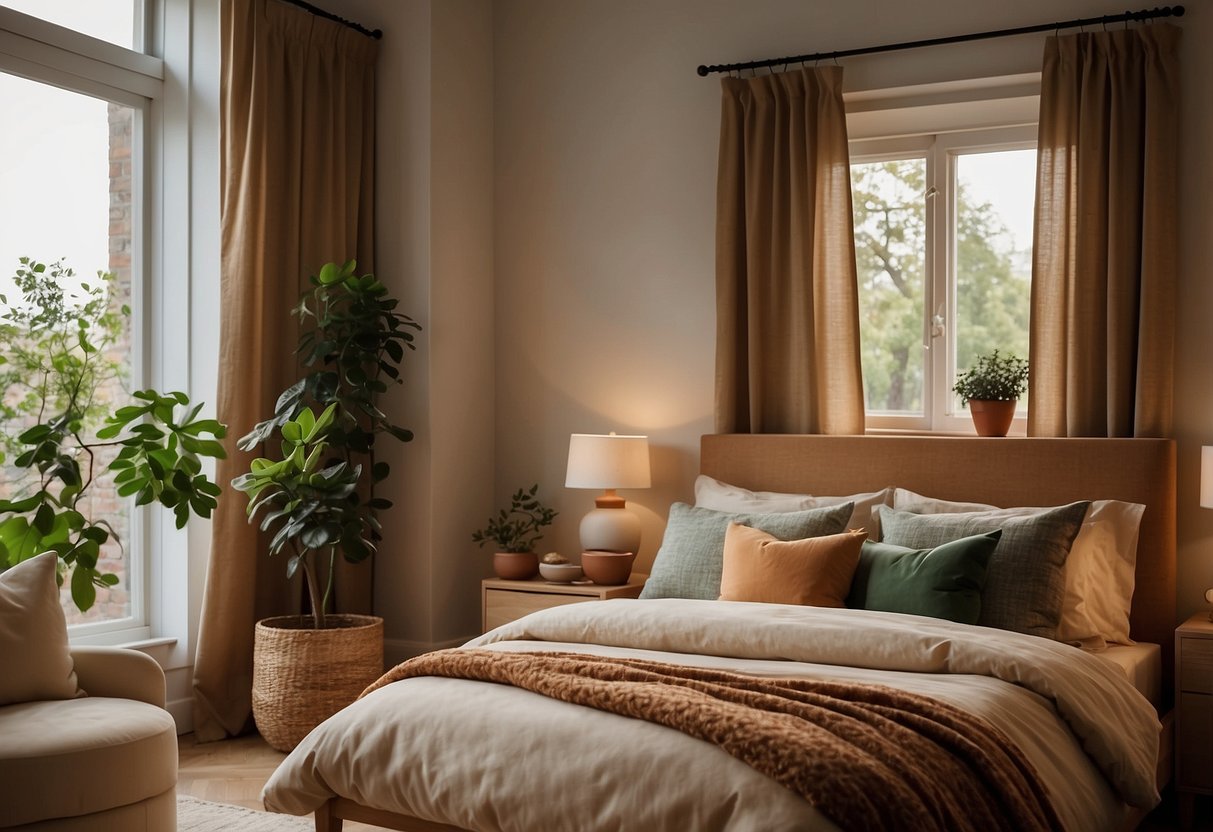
(607, 568)
(560, 573)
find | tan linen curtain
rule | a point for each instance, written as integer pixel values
(297, 155)
(787, 307)
(1103, 276)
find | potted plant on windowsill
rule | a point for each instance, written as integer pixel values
(317, 496)
(991, 389)
(516, 530)
(64, 413)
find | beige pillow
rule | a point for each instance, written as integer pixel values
(721, 496)
(1100, 572)
(34, 653)
(816, 571)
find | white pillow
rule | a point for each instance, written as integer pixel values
(721, 496)
(35, 658)
(1100, 571)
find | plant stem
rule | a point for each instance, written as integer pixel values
(313, 591)
(328, 589)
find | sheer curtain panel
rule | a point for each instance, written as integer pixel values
(297, 154)
(1103, 276)
(787, 308)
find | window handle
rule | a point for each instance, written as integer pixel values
(938, 326)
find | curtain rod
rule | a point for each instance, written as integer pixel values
(319, 12)
(1144, 14)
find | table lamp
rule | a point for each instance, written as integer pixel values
(609, 462)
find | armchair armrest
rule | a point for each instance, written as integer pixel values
(119, 673)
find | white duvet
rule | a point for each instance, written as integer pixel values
(491, 757)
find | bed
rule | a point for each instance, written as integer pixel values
(439, 753)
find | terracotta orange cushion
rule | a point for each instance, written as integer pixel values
(816, 571)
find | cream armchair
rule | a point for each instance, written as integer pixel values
(107, 761)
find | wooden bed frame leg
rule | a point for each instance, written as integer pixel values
(327, 820)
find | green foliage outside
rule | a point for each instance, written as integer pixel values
(58, 356)
(993, 282)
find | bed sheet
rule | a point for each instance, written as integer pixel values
(491, 757)
(1142, 665)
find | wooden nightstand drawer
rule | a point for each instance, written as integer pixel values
(1196, 664)
(501, 606)
(504, 601)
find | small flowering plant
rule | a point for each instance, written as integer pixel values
(994, 378)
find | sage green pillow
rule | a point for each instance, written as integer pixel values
(691, 558)
(1026, 580)
(944, 582)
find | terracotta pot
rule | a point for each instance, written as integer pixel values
(607, 568)
(302, 676)
(516, 566)
(992, 418)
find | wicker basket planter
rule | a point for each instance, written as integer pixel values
(302, 676)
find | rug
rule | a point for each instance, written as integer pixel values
(194, 815)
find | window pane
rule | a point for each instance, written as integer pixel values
(890, 246)
(109, 20)
(68, 180)
(995, 193)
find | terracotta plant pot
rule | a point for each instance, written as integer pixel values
(607, 568)
(302, 676)
(516, 566)
(992, 418)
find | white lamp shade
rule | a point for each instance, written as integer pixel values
(1206, 476)
(597, 461)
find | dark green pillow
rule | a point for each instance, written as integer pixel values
(1026, 584)
(691, 558)
(944, 582)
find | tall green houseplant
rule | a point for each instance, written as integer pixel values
(58, 373)
(317, 494)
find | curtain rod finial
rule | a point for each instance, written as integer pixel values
(703, 71)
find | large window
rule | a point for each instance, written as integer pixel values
(75, 172)
(943, 244)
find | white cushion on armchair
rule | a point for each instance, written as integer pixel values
(70, 761)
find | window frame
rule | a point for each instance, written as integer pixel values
(942, 412)
(47, 53)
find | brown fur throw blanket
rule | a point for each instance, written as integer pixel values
(868, 757)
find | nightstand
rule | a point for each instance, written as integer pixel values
(503, 601)
(1194, 713)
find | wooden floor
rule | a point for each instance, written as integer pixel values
(232, 771)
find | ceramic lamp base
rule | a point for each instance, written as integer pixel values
(610, 530)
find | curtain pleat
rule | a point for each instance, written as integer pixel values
(296, 164)
(1103, 277)
(787, 307)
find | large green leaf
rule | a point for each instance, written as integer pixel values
(84, 593)
(19, 540)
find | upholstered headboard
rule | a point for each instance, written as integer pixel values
(1003, 472)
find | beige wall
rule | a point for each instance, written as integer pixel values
(434, 249)
(603, 159)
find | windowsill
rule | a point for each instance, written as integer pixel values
(1015, 432)
(148, 643)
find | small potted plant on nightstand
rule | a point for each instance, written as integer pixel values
(991, 389)
(516, 530)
